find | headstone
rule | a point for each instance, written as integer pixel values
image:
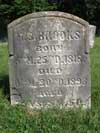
(92, 30)
(49, 60)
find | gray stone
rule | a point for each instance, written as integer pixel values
(92, 31)
(49, 60)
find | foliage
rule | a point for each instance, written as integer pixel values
(88, 9)
(3, 59)
(93, 7)
(12, 9)
(4, 80)
(17, 8)
(19, 119)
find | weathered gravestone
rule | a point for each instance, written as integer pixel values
(49, 60)
(92, 30)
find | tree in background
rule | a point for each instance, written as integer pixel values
(12, 9)
(15, 8)
(86, 9)
(93, 7)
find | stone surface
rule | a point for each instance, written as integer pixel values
(92, 31)
(49, 60)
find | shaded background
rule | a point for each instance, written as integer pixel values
(12, 9)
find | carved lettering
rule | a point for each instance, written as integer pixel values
(62, 82)
(50, 35)
(72, 81)
(73, 102)
(49, 48)
(50, 71)
(56, 59)
(52, 93)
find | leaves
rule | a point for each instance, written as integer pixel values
(18, 8)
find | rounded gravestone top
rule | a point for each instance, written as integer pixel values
(48, 14)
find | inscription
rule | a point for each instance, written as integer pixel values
(69, 103)
(60, 82)
(49, 48)
(50, 35)
(48, 59)
(73, 102)
(73, 82)
(52, 93)
(39, 104)
(43, 71)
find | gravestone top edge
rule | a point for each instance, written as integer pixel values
(48, 14)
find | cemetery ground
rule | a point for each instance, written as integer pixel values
(19, 119)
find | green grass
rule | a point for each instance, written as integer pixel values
(3, 60)
(95, 73)
(19, 119)
(4, 81)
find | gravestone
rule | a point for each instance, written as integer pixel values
(92, 31)
(49, 60)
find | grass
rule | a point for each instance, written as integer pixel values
(95, 73)
(19, 119)
(4, 81)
